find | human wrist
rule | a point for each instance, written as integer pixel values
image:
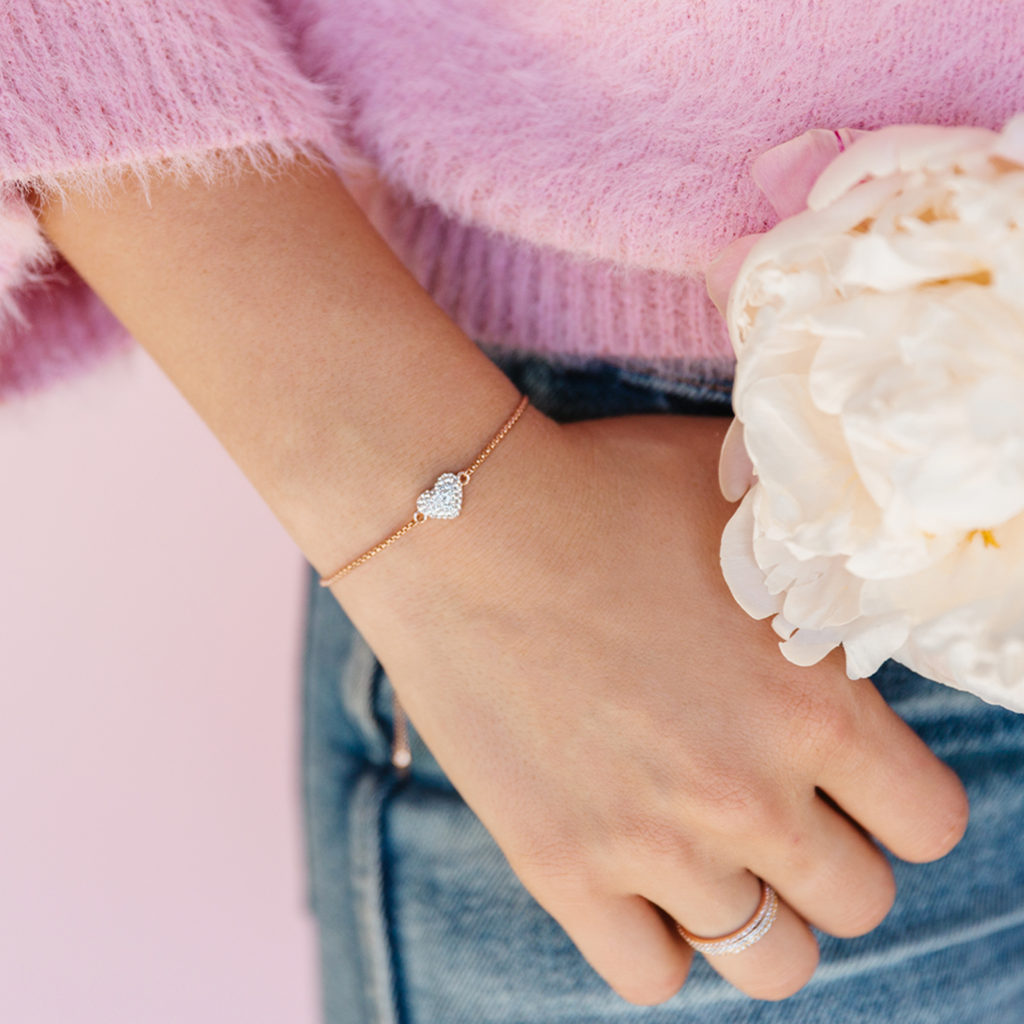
(516, 503)
(332, 379)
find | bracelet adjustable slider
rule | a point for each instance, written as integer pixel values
(442, 501)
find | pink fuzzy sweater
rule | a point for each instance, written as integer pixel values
(556, 174)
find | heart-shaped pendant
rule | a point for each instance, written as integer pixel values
(443, 500)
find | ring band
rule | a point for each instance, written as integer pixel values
(744, 936)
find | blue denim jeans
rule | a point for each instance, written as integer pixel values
(421, 920)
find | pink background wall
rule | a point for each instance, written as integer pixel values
(151, 857)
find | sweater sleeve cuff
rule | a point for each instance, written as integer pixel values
(87, 86)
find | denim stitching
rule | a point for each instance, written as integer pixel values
(368, 802)
(357, 687)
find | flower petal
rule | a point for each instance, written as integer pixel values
(891, 150)
(873, 641)
(1011, 142)
(809, 646)
(722, 270)
(782, 626)
(735, 470)
(879, 434)
(742, 573)
(787, 172)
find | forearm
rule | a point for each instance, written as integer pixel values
(330, 376)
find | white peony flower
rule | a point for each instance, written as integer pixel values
(878, 444)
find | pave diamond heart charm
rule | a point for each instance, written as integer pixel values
(443, 500)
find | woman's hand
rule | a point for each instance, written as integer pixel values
(637, 745)
(568, 649)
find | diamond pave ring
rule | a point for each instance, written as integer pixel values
(744, 936)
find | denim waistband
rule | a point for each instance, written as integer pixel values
(420, 913)
(583, 388)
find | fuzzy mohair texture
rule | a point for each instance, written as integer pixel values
(557, 175)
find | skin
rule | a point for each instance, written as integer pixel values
(636, 745)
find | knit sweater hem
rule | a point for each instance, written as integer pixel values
(514, 295)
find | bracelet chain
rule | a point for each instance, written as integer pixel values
(463, 478)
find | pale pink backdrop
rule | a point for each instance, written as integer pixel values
(151, 858)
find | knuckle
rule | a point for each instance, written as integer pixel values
(850, 902)
(947, 825)
(801, 859)
(655, 837)
(550, 855)
(555, 869)
(958, 820)
(726, 797)
(776, 978)
(821, 724)
(738, 806)
(856, 904)
(653, 989)
(786, 979)
(870, 909)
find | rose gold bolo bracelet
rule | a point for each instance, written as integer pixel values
(442, 501)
